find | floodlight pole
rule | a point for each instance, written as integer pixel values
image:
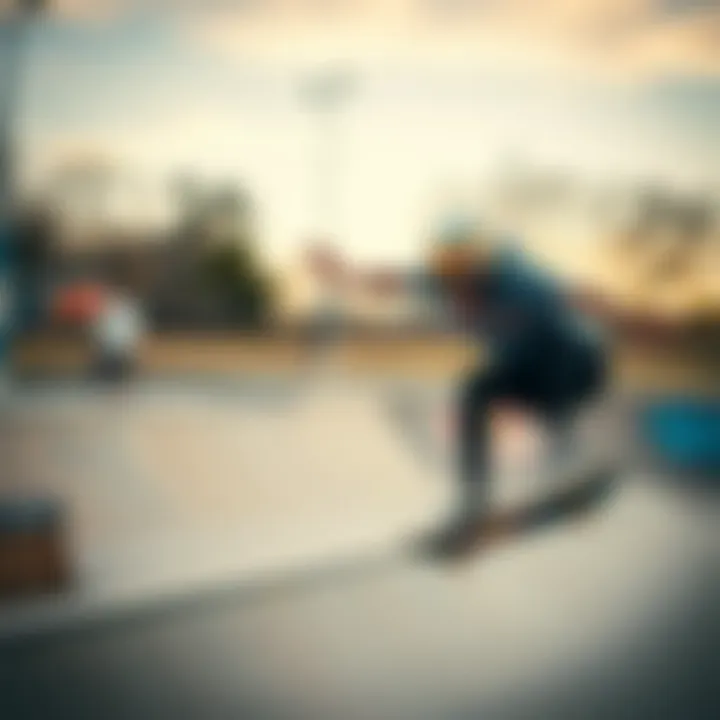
(324, 94)
(16, 25)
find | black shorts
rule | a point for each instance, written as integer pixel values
(551, 376)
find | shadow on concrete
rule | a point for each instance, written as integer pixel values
(291, 583)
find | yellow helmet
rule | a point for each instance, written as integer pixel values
(457, 248)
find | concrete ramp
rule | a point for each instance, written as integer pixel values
(175, 490)
(238, 562)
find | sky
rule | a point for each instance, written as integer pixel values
(440, 94)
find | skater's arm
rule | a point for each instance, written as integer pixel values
(616, 317)
(415, 286)
(391, 283)
(330, 268)
(386, 283)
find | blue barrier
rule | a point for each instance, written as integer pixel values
(684, 432)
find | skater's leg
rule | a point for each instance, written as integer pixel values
(572, 415)
(565, 454)
(477, 393)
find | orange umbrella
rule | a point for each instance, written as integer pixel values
(79, 303)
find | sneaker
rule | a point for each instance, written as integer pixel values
(454, 540)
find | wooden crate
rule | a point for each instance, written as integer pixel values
(33, 552)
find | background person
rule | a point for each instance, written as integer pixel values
(117, 332)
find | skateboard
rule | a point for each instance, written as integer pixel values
(568, 504)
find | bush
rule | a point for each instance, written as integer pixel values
(233, 278)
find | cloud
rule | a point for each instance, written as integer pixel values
(622, 37)
(74, 10)
(629, 37)
(89, 10)
(691, 45)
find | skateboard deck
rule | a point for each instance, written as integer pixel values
(565, 505)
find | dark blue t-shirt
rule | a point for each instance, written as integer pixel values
(511, 305)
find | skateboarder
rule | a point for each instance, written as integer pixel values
(543, 354)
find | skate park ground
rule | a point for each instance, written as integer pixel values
(237, 556)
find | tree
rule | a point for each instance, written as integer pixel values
(81, 187)
(667, 232)
(188, 194)
(33, 250)
(213, 273)
(232, 275)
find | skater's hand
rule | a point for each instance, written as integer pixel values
(387, 284)
(328, 265)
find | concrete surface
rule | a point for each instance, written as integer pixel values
(174, 490)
